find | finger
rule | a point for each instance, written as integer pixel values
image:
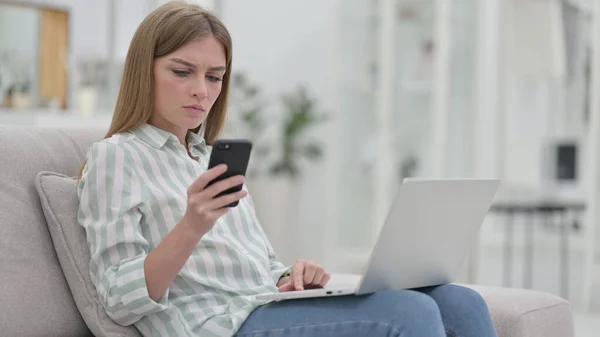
(205, 178)
(319, 273)
(223, 185)
(298, 274)
(286, 287)
(325, 279)
(222, 201)
(309, 272)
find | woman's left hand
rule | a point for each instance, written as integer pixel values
(305, 274)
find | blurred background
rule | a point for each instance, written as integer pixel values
(345, 98)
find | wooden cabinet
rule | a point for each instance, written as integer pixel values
(53, 56)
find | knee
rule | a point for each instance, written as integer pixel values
(420, 305)
(470, 296)
(459, 298)
(409, 305)
(404, 313)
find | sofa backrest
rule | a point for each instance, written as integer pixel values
(35, 299)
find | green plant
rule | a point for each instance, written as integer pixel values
(249, 105)
(301, 114)
(249, 122)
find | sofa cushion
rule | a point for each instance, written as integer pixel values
(58, 194)
(35, 297)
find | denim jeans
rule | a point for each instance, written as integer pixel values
(447, 310)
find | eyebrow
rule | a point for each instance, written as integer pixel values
(191, 65)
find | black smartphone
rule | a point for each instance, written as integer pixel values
(235, 153)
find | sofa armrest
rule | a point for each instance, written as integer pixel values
(527, 313)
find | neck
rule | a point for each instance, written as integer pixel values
(180, 133)
(183, 140)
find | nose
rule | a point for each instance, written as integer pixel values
(199, 89)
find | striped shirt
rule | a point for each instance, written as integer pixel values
(133, 191)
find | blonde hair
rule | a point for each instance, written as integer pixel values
(162, 32)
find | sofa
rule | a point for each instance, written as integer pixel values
(40, 290)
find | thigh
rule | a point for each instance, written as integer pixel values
(385, 313)
(464, 312)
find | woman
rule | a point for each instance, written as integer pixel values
(166, 255)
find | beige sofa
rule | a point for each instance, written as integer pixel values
(36, 300)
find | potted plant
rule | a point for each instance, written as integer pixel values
(90, 72)
(301, 114)
(248, 118)
(21, 96)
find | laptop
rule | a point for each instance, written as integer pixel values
(425, 240)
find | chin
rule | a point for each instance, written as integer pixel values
(192, 123)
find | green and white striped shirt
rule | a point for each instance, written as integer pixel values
(133, 191)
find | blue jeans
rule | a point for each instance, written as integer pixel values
(447, 310)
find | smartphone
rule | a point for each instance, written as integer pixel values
(235, 153)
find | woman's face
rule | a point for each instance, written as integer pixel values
(187, 83)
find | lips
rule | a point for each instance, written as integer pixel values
(194, 110)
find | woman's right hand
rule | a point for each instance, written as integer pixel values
(203, 209)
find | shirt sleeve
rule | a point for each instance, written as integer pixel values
(110, 196)
(276, 267)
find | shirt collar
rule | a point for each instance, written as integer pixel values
(153, 136)
(194, 139)
(157, 137)
(196, 142)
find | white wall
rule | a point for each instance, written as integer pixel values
(281, 44)
(129, 14)
(88, 23)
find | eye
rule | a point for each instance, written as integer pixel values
(180, 73)
(214, 78)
